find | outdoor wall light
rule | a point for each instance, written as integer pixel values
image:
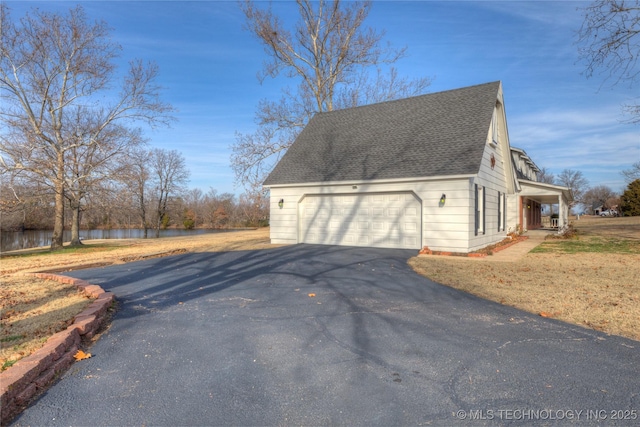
(443, 199)
(281, 203)
(355, 187)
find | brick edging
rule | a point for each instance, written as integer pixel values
(34, 373)
(426, 251)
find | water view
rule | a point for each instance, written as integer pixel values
(14, 240)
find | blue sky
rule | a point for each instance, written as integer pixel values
(208, 66)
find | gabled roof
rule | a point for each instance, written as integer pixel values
(437, 134)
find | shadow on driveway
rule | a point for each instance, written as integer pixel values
(236, 339)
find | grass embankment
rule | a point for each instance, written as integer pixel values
(32, 311)
(590, 279)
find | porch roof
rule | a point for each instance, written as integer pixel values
(544, 193)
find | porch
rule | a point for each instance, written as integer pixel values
(536, 197)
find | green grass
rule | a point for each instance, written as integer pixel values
(7, 364)
(101, 247)
(11, 338)
(592, 244)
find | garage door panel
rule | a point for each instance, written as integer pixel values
(410, 212)
(380, 219)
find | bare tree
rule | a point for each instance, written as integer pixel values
(169, 176)
(194, 199)
(633, 173)
(545, 176)
(609, 40)
(254, 208)
(220, 209)
(54, 73)
(597, 196)
(24, 203)
(136, 176)
(332, 56)
(89, 163)
(576, 181)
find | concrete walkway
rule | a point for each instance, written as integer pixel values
(515, 252)
(512, 253)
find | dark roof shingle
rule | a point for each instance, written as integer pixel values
(437, 134)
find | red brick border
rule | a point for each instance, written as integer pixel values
(426, 251)
(34, 373)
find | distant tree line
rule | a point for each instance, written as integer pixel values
(150, 193)
(72, 153)
(599, 196)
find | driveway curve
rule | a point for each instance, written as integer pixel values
(322, 335)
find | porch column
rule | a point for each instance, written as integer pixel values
(563, 213)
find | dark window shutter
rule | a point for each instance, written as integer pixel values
(477, 212)
(484, 212)
(499, 209)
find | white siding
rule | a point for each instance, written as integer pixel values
(512, 213)
(444, 227)
(283, 221)
(493, 178)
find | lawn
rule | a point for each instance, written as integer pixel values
(590, 279)
(31, 311)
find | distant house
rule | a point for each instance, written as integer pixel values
(435, 170)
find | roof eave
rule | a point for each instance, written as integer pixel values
(373, 181)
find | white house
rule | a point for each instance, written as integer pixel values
(435, 170)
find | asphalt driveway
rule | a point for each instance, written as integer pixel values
(236, 339)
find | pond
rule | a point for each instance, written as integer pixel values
(14, 240)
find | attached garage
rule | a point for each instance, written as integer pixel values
(429, 171)
(383, 220)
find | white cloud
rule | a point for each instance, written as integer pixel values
(590, 140)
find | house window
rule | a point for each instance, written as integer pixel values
(480, 208)
(494, 128)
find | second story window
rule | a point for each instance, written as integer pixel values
(494, 127)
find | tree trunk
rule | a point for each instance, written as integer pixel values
(58, 226)
(75, 225)
(158, 226)
(143, 215)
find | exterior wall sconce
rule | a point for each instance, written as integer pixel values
(443, 199)
(280, 203)
(354, 187)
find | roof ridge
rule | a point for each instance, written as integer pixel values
(410, 97)
(436, 134)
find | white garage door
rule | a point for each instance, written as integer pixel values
(383, 220)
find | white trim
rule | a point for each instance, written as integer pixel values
(371, 181)
(543, 185)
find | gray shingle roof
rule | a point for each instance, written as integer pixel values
(437, 134)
